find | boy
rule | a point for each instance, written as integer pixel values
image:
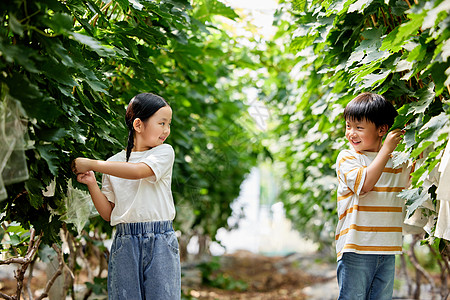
(369, 230)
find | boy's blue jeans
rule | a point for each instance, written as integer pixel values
(144, 262)
(366, 276)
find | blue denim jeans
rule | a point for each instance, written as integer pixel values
(144, 262)
(366, 276)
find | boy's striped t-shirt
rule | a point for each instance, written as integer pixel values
(369, 223)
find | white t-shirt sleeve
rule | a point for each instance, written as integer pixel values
(107, 188)
(160, 160)
(351, 172)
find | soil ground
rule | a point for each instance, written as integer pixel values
(243, 276)
(283, 278)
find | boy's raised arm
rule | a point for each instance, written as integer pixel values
(375, 169)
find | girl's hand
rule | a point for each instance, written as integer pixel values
(392, 139)
(87, 178)
(81, 165)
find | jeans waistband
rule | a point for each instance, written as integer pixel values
(144, 227)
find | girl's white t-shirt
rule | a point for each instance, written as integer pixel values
(142, 200)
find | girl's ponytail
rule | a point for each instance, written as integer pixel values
(130, 142)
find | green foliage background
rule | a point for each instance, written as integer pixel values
(74, 65)
(338, 49)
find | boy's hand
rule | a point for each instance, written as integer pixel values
(80, 165)
(392, 139)
(87, 178)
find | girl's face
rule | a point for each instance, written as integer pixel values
(154, 131)
(364, 135)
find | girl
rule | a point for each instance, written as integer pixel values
(136, 197)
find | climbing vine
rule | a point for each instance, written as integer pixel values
(338, 49)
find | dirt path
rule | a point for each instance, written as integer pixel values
(243, 276)
(291, 277)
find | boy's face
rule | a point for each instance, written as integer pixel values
(364, 135)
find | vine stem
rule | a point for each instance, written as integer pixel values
(103, 10)
(386, 23)
(409, 4)
(420, 271)
(33, 246)
(4, 296)
(55, 275)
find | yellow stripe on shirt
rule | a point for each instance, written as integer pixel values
(368, 229)
(344, 158)
(370, 209)
(392, 170)
(387, 189)
(370, 248)
(358, 178)
(349, 194)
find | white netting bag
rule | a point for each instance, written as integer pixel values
(13, 143)
(7, 144)
(15, 127)
(79, 207)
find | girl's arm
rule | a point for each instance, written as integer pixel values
(124, 170)
(375, 169)
(101, 203)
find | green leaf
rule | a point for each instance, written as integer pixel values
(14, 240)
(359, 5)
(23, 56)
(58, 72)
(422, 146)
(401, 35)
(15, 25)
(414, 199)
(433, 128)
(47, 152)
(299, 5)
(399, 8)
(445, 50)
(93, 44)
(403, 117)
(60, 23)
(438, 73)
(400, 158)
(425, 97)
(51, 134)
(124, 4)
(372, 80)
(409, 138)
(34, 188)
(435, 14)
(214, 7)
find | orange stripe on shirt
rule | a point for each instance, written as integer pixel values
(368, 229)
(349, 194)
(387, 189)
(358, 178)
(370, 209)
(392, 170)
(345, 174)
(370, 248)
(344, 159)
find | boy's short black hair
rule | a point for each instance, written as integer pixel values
(371, 107)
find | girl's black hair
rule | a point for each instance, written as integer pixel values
(371, 107)
(142, 106)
